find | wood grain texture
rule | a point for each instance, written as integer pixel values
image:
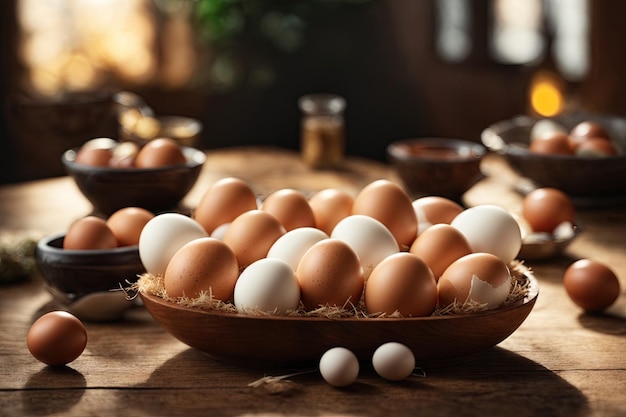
(559, 362)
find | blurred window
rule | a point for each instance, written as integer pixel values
(520, 32)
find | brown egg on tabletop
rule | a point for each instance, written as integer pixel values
(56, 338)
(330, 274)
(127, 224)
(290, 207)
(204, 265)
(160, 152)
(546, 208)
(439, 246)
(591, 285)
(223, 201)
(554, 144)
(252, 234)
(89, 232)
(596, 147)
(432, 210)
(479, 278)
(401, 283)
(329, 207)
(388, 203)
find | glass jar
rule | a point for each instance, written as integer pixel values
(322, 137)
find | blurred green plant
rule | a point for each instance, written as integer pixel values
(239, 33)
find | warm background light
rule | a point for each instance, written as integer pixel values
(546, 94)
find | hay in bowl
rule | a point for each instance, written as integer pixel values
(300, 338)
(589, 181)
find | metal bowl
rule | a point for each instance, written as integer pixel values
(590, 181)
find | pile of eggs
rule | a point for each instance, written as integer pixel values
(123, 228)
(587, 138)
(378, 250)
(107, 152)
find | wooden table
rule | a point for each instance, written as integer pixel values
(560, 362)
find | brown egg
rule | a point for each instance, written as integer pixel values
(585, 130)
(596, 147)
(97, 157)
(554, 144)
(404, 283)
(202, 265)
(479, 277)
(127, 224)
(158, 153)
(290, 207)
(329, 207)
(252, 234)
(89, 232)
(330, 274)
(545, 208)
(434, 210)
(223, 201)
(439, 246)
(388, 203)
(56, 338)
(591, 285)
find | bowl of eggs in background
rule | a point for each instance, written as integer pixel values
(112, 175)
(579, 153)
(281, 281)
(437, 166)
(86, 267)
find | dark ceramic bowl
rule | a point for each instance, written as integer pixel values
(88, 282)
(155, 189)
(437, 166)
(588, 180)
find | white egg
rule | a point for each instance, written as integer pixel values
(491, 296)
(369, 238)
(292, 245)
(393, 361)
(161, 238)
(220, 231)
(491, 229)
(268, 285)
(339, 367)
(546, 127)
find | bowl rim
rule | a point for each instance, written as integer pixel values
(195, 158)
(44, 246)
(531, 296)
(491, 138)
(478, 150)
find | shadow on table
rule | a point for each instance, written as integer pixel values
(55, 399)
(495, 382)
(603, 323)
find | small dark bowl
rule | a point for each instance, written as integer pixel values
(437, 166)
(587, 180)
(88, 282)
(155, 189)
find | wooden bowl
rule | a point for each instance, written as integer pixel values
(248, 340)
